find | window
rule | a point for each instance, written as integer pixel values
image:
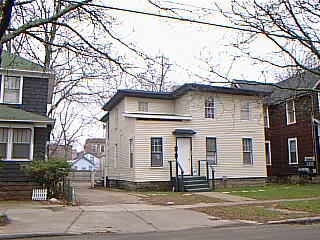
(156, 152)
(16, 143)
(290, 112)
(94, 148)
(143, 106)
(293, 150)
(102, 148)
(115, 156)
(131, 152)
(247, 151)
(266, 117)
(319, 101)
(3, 142)
(211, 143)
(209, 107)
(268, 152)
(11, 89)
(245, 111)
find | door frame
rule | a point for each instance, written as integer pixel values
(176, 152)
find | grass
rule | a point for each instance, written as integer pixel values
(276, 191)
(312, 206)
(175, 198)
(258, 213)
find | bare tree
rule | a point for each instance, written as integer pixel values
(291, 26)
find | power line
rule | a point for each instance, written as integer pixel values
(192, 21)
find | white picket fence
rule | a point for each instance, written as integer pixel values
(39, 194)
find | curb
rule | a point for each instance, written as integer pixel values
(34, 235)
(297, 221)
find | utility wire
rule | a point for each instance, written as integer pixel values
(182, 19)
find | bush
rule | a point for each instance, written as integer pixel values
(48, 173)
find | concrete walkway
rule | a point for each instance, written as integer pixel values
(225, 197)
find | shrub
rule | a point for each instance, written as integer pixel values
(48, 173)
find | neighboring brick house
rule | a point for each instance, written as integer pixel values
(167, 139)
(292, 123)
(57, 151)
(95, 146)
(25, 91)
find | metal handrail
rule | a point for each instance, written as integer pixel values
(207, 168)
(178, 166)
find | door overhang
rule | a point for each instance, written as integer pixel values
(183, 131)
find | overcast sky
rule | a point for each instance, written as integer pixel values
(189, 47)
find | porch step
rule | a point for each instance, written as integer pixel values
(196, 184)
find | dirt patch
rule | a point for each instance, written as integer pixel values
(258, 213)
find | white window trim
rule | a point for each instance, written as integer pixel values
(163, 162)
(2, 90)
(146, 105)
(268, 120)
(297, 155)
(269, 142)
(9, 145)
(216, 164)
(252, 155)
(294, 115)
(206, 108)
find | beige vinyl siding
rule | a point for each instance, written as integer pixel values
(226, 127)
(154, 105)
(120, 168)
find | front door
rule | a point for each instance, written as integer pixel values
(184, 155)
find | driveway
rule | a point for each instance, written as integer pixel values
(100, 197)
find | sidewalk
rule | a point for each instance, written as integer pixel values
(114, 212)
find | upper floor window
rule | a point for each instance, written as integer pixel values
(156, 152)
(293, 150)
(247, 150)
(266, 117)
(94, 148)
(245, 111)
(16, 143)
(290, 112)
(11, 89)
(143, 106)
(209, 107)
(102, 148)
(211, 150)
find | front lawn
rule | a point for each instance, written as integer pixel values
(312, 206)
(175, 198)
(276, 191)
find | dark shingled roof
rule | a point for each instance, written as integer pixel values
(178, 92)
(302, 81)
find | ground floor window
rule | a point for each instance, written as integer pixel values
(268, 152)
(131, 152)
(293, 150)
(156, 152)
(211, 143)
(247, 151)
(16, 143)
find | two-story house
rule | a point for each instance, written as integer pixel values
(25, 91)
(154, 136)
(292, 124)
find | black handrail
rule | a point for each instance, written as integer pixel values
(182, 177)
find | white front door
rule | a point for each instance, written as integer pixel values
(184, 155)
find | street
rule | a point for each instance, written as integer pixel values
(258, 232)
